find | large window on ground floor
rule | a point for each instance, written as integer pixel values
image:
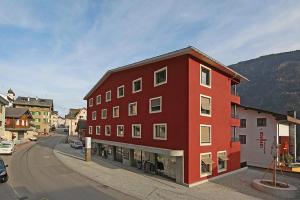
(205, 164)
(222, 161)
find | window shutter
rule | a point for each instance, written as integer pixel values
(205, 134)
(205, 103)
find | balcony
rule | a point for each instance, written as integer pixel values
(234, 134)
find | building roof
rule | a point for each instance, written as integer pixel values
(185, 51)
(73, 112)
(16, 112)
(82, 124)
(278, 116)
(29, 101)
(3, 100)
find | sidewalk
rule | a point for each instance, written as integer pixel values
(144, 186)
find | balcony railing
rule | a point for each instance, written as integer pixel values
(234, 90)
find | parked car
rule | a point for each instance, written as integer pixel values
(7, 147)
(76, 144)
(33, 138)
(3, 172)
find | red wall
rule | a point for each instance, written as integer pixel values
(174, 104)
(220, 122)
(180, 110)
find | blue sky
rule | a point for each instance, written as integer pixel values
(59, 49)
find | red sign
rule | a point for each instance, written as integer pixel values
(262, 141)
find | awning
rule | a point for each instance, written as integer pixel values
(207, 160)
(223, 157)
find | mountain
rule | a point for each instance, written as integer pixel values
(274, 82)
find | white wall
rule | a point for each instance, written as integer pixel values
(284, 130)
(251, 152)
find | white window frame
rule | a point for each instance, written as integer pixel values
(106, 99)
(98, 102)
(136, 80)
(116, 116)
(225, 169)
(211, 167)
(132, 131)
(91, 102)
(154, 135)
(157, 71)
(206, 144)
(98, 133)
(105, 132)
(94, 117)
(118, 95)
(203, 66)
(150, 107)
(206, 115)
(90, 130)
(129, 114)
(120, 135)
(104, 109)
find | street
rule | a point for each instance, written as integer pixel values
(35, 173)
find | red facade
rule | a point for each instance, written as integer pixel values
(180, 111)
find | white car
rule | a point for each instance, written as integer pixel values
(76, 144)
(33, 138)
(7, 147)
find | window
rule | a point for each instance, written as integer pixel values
(107, 130)
(137, 85)
(160, 131)
(0, 123)
(234, 134)
(104, 113)
(116, 111)
(261, 122)
(136, 130)
(205, 164)
(222, 161)
(94, 115)
(18, 122)
(120, 130)
(46, 113)
(91, 102)
(243, 123)
(233, 111)
(120, 92)
(243, 139)
(160, 77)
(205, 135)
(90, 130)
(98, 130)
(98, 99)
(132, 109)
(155, 105)
(205, 76)
(108, 96)
(205, 105)
(22, 122)
(37, 126)
(37, 120)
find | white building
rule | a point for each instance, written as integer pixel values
(258, 131)
(72, 119)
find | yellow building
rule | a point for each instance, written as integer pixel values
(40, 109)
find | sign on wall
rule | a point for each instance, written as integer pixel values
(262, 141)
(88, 142)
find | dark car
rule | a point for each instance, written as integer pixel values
(3, 172)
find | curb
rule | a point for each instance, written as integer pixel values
(66, 154)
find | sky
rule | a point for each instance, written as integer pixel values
(60, 49)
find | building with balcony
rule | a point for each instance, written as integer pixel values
(40, 110)
(169, 115)
(18, 124)
(260, 130)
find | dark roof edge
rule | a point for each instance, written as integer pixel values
(3, 101)
(184, 51)
(278, 116)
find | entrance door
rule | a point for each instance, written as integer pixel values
(119, 154)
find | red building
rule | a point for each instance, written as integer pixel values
(172, 115)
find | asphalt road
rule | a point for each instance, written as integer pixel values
(35, 173)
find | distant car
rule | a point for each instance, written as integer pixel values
(33, 138)
(76, 144)
(7, 147)
(3, 172)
